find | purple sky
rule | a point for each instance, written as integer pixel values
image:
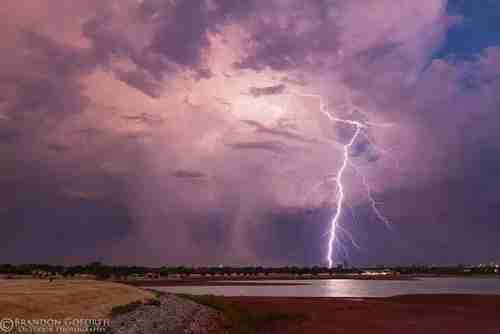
(164, 132)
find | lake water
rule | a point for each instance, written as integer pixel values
(351, 288)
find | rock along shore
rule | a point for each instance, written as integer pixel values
(171, 314)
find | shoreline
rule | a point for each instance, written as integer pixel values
(173, 283)
(271, 281)
(252, 281)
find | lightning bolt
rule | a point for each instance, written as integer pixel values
(373, 202)
(338, 178)
(340, 194)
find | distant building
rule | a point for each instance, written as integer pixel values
(85, 276)
(40, 274)
(152, 276)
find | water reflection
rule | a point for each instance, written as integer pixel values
(351, 288)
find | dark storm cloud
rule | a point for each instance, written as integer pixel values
(183, 34)
(203, 73)
(179, 35)
(44, 76)
(363, 148)
(271, 146)
(451, 213)
(141, 80)
(40, 210)
(90, 132)
(54, 57)
(303, 37)
(58, 148)
(378, 53)
(186, 174)
(297, 82)
(40, 77)
(278, 132)
(143, 118)
(8, 135)
(50, 84)
(215, 224)
(281, 51)
(179, 38)
(265, 91)
(296, 226)
(48, 93)
(151, 68)
(93, 226)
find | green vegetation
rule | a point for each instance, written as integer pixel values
(240, 321)
(122, 309)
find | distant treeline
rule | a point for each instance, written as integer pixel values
(446, 270)
(103, 271)
(106, 271)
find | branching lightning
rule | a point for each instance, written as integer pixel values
(374, 203)
(338, 178)
(340, 193)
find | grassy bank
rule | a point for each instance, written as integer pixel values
(59, 299)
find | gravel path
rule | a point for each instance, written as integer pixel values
(173, 315)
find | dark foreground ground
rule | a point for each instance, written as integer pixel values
(454, 314)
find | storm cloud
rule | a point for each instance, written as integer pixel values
(201, 132)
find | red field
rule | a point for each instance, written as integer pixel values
(453, 314)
